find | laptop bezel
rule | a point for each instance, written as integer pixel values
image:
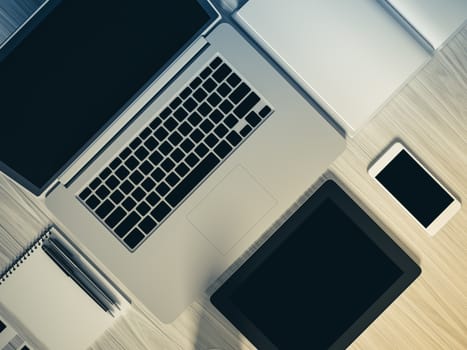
(28, 27)
(221, 299)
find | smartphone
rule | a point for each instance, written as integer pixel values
(410, 183)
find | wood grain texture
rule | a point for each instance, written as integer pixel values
(430, 116)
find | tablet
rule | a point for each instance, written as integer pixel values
(320, 280)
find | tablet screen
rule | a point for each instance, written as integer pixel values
(319, 280)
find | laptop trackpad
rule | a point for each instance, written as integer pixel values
(231, 209)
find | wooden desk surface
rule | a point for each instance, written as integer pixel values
(429, 116)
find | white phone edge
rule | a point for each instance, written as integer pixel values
(386, 158)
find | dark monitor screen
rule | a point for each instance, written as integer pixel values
(81, 65)
(321, 273)
(414, 188)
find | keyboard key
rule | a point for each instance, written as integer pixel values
(136, 177)
(177, 155)
(204, 109)
(141, 153)
(170, 124)
(148, 184)
(115, 217)
(234, 138)
(265, 111)
(192, 160)
(231, 121)
(95, 183)
(156, 123)
(156, 157)
(206, 126)
(190, 104)
(221, 73)
(196, 135)
(158, 174)
(102, 192)
(147, 225)
(105, 173)
(233, 80)
(115, 163)
(185, 128)
(182, 169)
(224, 89)
(166, 148)
(194, 119)
(117, 196)
(226, 106)
(211, 140)
(145, 133)
(112, 182)
(245, 131)
(195, 83)
(125, 153)
(172, 179)
(104, 209)
(131, 163)
(186, 92)
(122, 172)
(138, 194)
(160, 133)
(214, 99)
(175, 103)
(247, 104)
(201, 150)
(215, 63)
(146, 167)
(160, 212)
(135, 143)
(216, 116)
(180, 114)
(167, 165)
(92, 201)
(200, 95)
(222, 149)
(153, 198)
(206, 73)
(129, 203)
(84, 194)
(253, 119)
(221, 130)
(175, 138)
(192, 180)
(151, 143)
(239, 93)
(143, 209)
(126, 187)
(209, 85)
(187, 145)
(133, 239)
(165, 113)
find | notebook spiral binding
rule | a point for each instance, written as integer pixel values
(11, 268)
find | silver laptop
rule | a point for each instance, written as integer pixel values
(158, 136)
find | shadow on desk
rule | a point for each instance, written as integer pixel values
(211, 334)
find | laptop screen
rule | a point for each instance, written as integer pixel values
(83, 63)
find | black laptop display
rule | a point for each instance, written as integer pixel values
(319, 281)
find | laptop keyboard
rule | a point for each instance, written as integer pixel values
(174, 153)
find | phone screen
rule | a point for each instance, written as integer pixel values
(414, 188)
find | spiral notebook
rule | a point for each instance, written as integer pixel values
(44, 306)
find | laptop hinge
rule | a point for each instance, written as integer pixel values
(126, 116)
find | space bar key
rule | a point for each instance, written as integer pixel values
(192, 180)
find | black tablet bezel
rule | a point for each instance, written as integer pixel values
(329, 190)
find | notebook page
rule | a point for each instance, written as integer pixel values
(49, 305)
